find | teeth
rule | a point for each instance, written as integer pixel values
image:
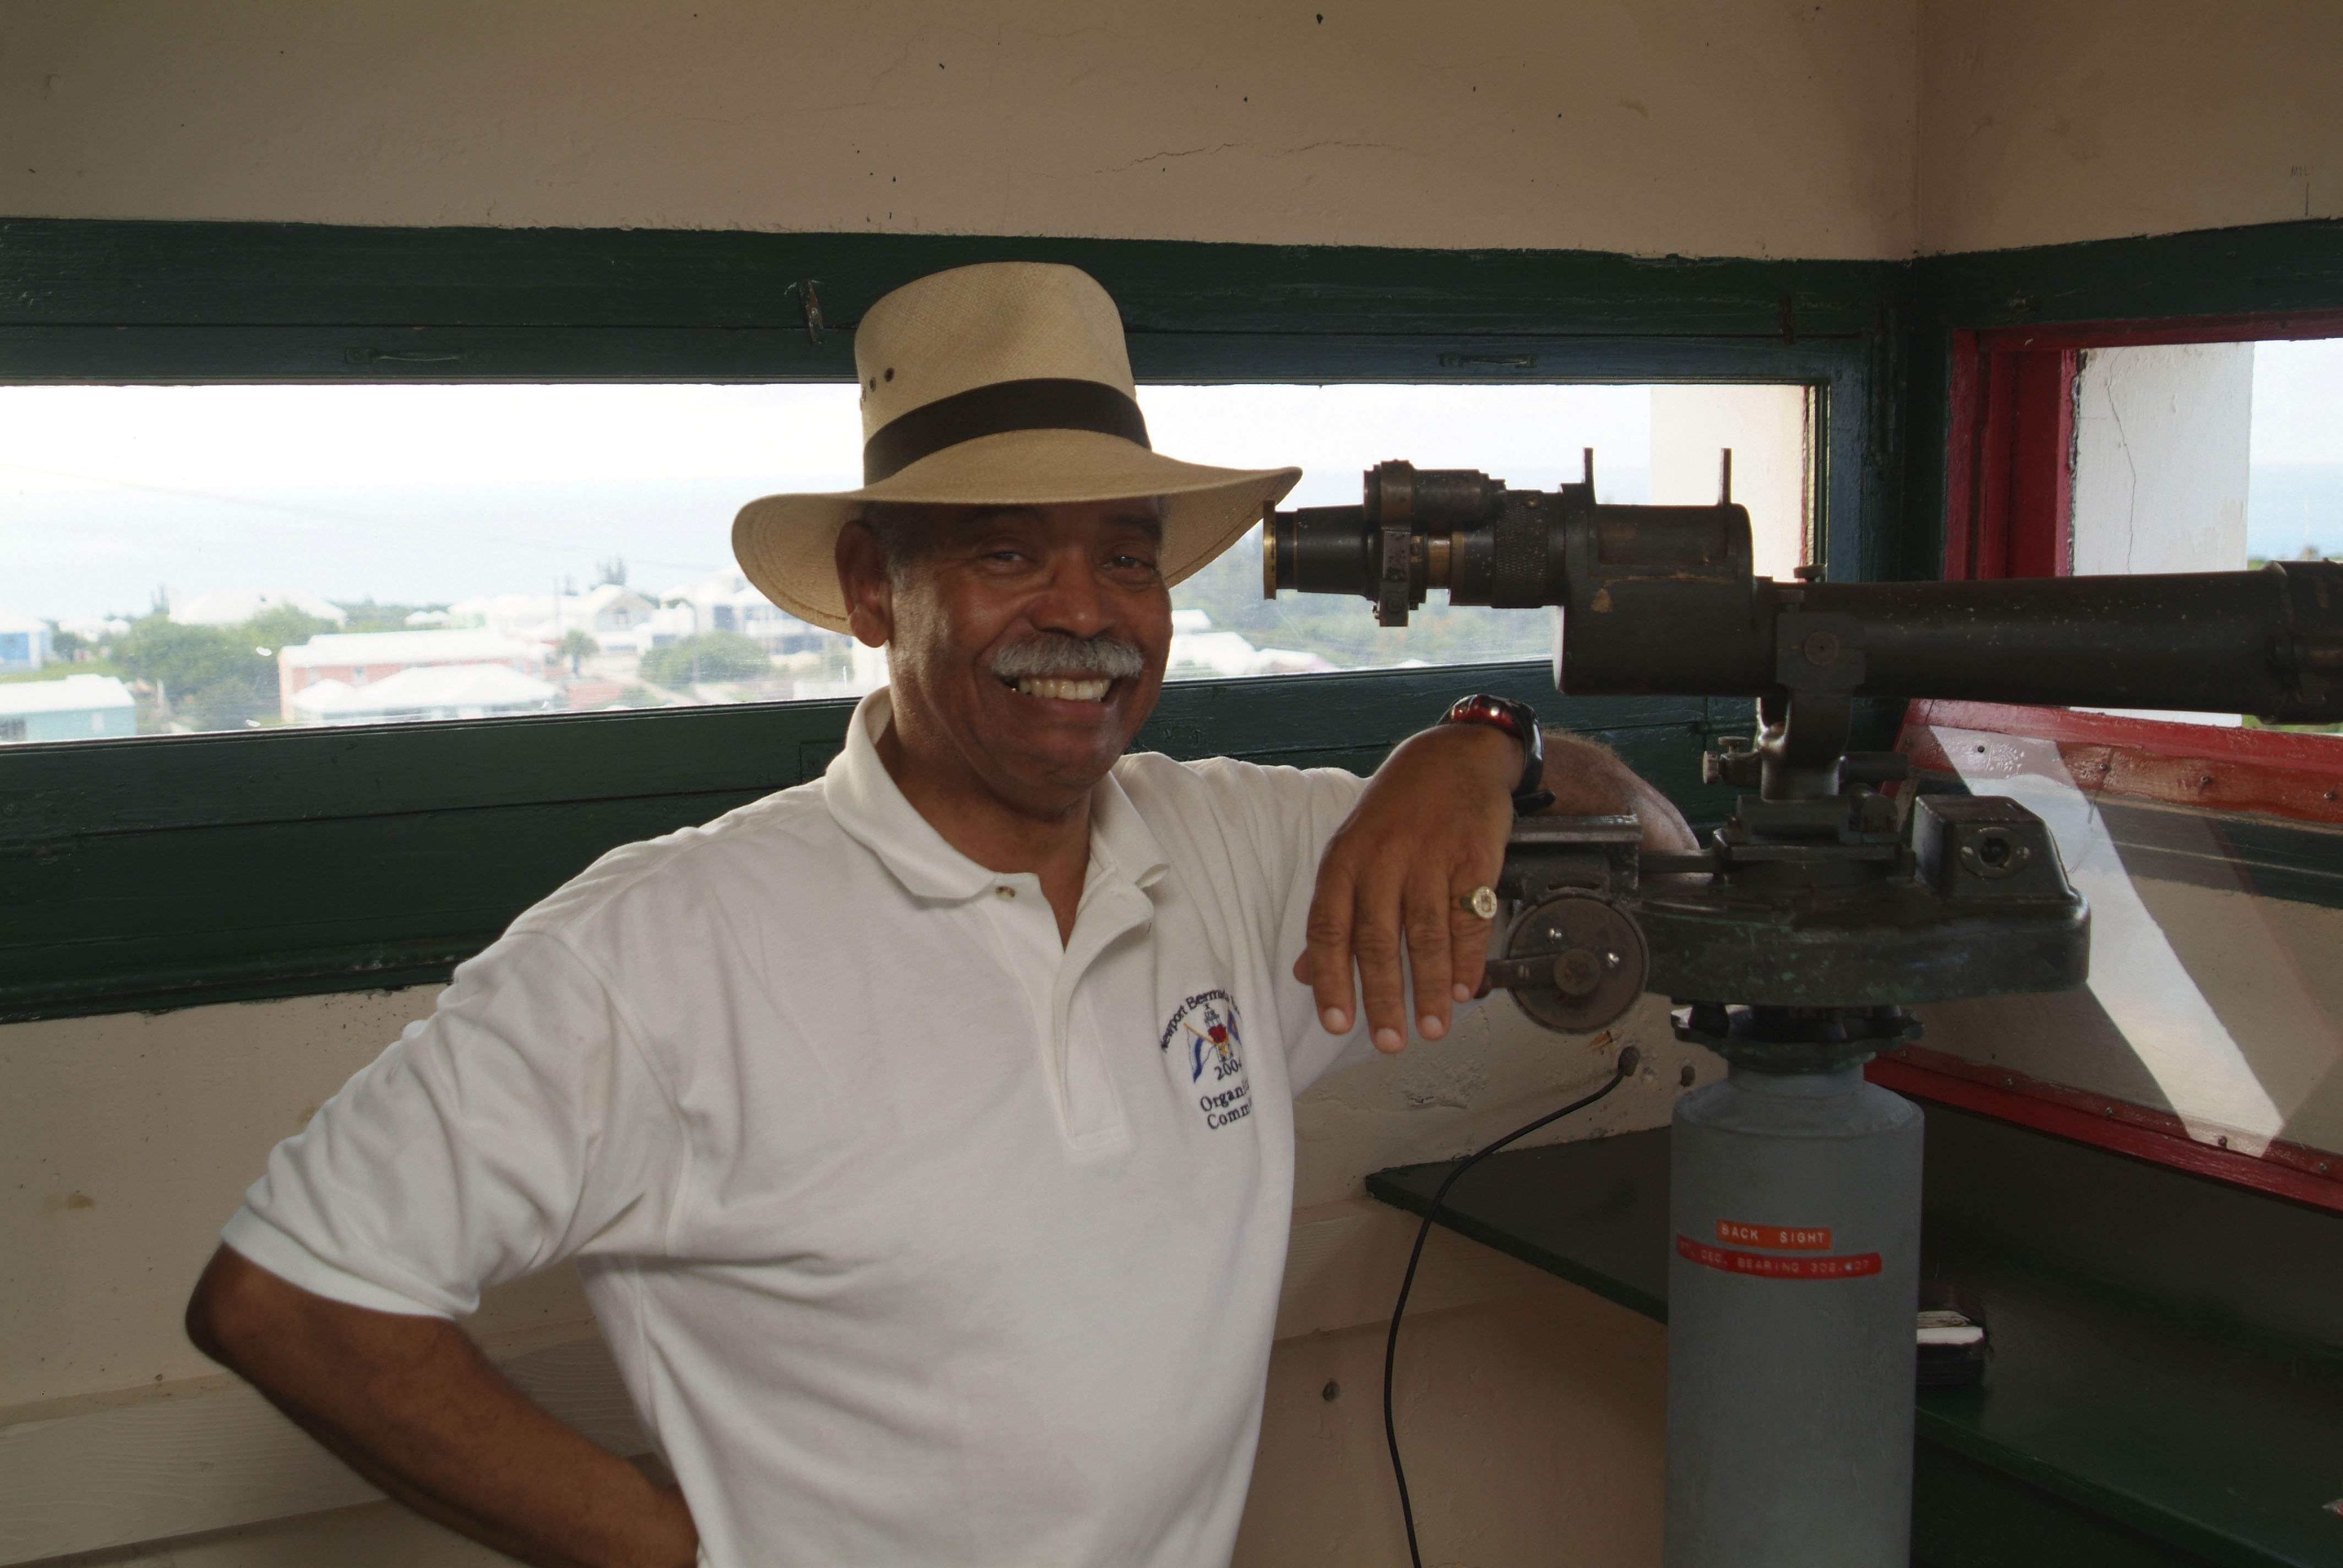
(1065, 690)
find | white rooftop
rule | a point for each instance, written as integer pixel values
(73, 694)
(491, 606)
(93, 627)
(450, 689)
(235, 608)
(595, 600)
(471, 645)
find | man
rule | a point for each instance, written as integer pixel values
(922, 1134)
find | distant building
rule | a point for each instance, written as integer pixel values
(507, 614)
(1197, 648)
(608, 611)
(730, 604)
(78, 708)
(359, 659)
(24, 644)
(605, 610)
(237, 607)
(591, 691)
(426, 691)
(96, 629)
(659, 629)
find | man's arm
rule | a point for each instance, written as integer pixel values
(1587, 779)
(1430, 827)
(411, 1404)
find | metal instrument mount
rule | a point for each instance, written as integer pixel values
(1794, 944)
(1823, 906)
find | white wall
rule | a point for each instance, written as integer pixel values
(2162, 461)
(1769, 431)
(1702, 127)
(1698, 126)
(2162, 458)
(2043, 121)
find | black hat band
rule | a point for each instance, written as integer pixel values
(1043, 403)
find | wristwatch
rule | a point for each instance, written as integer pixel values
(1520, 720)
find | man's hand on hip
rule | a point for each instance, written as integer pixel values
(411, 1404)
(1430, 829)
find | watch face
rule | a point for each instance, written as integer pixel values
(1520, 721)
(1501, 712)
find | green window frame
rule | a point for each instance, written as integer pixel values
(145, 874)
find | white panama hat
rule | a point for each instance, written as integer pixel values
(1003, 383)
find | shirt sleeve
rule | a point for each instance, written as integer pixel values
(1286, 816)
(516, 1126)
(1289, 816)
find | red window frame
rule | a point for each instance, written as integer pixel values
(2009, 490)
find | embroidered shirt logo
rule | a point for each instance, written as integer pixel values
(1212, 1047)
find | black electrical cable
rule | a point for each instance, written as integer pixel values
(1629, 1060)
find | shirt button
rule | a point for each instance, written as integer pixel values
(1005, 892)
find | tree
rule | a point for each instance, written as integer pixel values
(228, 705)
(576, 646)
(367, 616)
(612, 571)
(283, 626)
(710, 656)
(215, 677)
(184, 659)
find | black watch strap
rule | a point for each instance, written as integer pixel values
(1520, 720)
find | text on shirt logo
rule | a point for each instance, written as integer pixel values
(1205, 1027)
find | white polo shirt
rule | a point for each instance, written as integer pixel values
(917, 1237)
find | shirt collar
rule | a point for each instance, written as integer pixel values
(1121, 837)
(865, 801)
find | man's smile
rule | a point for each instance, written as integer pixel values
(1054, 666)
(1061, 687)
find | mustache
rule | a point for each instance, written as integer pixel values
(1055, 653)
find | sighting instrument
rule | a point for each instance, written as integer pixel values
(1834, 897)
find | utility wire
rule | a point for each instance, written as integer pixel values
(1629, 1060)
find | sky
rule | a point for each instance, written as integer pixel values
(431, 494)
(2298, 402)
(418, 494)
(2295, 494)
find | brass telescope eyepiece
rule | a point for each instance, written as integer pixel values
(1393, 548)
(1459, 531)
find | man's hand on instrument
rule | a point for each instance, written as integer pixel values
(1401, 875)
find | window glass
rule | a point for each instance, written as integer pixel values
(2213, 864)
(177, 560)
(2214, 1001)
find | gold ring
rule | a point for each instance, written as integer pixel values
(1480, 902)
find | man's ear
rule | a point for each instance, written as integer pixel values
(863, 583)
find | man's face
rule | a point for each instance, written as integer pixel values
(1025, 646)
